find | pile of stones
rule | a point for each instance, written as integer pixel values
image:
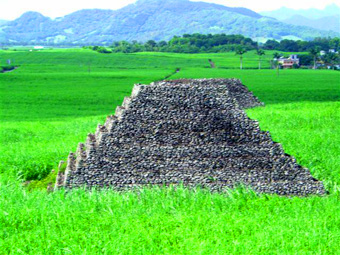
(236, 89)
(189, 132)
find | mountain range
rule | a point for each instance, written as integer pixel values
(326, 19)
(149, 19)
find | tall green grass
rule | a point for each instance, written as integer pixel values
(166, 221)
(51, 102)
(56, 97)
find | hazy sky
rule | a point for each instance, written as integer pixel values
(11, 9)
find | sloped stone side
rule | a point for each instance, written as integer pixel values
(237, 90)
(190, 132)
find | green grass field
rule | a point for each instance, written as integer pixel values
(50, 103)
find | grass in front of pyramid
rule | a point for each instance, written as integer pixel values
(56, 97)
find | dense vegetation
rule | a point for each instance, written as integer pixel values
(200, 43)
(187, 43)
(299, 46)
(56, 97)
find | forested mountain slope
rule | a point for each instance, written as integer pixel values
(149, 19)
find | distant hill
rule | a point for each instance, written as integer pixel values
(149, 19)
(286, 13)
(329, 23)
(326, 19)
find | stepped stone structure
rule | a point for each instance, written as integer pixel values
(190, 132)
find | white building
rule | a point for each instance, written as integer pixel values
(38, 47)
(289, 62)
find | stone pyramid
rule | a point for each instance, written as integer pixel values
(190, 132)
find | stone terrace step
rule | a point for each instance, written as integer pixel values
(283, 188)
(239, 163)
(267, 149)
(178, 138)
(192, 132)
(130, 115)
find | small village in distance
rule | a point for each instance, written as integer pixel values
(323, 60)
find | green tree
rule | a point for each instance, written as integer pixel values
(271, 45)
(314, 52)
(276, 55)
(240, 51)
(331, 59)
(275, 62)
(150, 45)
(289, 45)
(335, 43)
(162, 44)
(305, 60)
(260, 53)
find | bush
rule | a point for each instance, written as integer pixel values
(43, 184)
(104, 50)
(296, 66)
(306, 60)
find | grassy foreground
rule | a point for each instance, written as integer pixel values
(155, 221)
(56, 97)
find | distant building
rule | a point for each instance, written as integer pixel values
(335, 67)
(331, 51)
(38, 47)
(289, 62)
(322, 53)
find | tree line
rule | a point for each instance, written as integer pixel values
(302, 46)
(200, 43)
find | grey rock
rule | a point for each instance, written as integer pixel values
(190, 132)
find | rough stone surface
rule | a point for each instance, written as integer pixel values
(190, 132)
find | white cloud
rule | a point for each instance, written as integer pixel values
(11, 9)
